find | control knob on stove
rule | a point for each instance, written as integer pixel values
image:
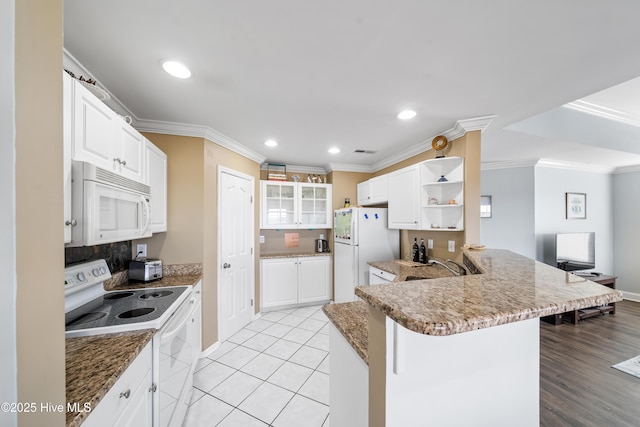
(81, 277)
(96, 272)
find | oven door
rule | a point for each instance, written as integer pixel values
(113, 214)
(177, 359)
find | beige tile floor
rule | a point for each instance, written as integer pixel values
(274, 372)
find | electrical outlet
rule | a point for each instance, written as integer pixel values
(141, 250)
(452, 245)
(430, 244)
(261, 239)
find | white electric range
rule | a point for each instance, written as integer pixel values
(90, 310)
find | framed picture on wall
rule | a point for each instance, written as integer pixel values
(576, 205)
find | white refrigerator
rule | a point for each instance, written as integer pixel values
(360, 235)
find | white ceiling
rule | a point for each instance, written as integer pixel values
(334, 73)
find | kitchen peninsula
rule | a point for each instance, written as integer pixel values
(450, 351)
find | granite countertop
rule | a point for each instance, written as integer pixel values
(292, 254)
(352, 319)
(403, 269)
(94, 364)
(511, 288)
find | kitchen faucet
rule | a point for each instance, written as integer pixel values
(461, 270)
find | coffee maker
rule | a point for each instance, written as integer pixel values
(322, 245)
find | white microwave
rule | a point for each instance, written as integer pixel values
(107, 207)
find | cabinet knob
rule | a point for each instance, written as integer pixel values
(123, 163)
(126, 394)
(226, 265)
(72, 223)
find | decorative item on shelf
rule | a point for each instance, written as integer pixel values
(295, 178)
(452, 227)
(347, 202)
(433, 201)
(453, 202)
(442, 179)
(435, 226)
(439, 143)
(276, 172)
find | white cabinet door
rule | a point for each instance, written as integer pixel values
(129, 151)
(129, 401)
(404, 198)
(314, 206)
(156, 178)
(278, 204)
(363, 190)
(314, 279)
(93, 129)
(139, 411)
(379, 189)
(279, 281)
(67, 132)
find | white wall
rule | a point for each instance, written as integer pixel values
(512, 224)
(551, 184)
(8, 370)
(626, 233)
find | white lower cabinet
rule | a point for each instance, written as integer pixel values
(130, 400)
(296, 280)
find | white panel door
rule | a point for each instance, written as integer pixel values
(236, 258)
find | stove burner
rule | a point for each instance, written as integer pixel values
(86, 318)
(117, 295)
(136, 312)
(155, 294)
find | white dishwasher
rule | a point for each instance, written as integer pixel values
(380, 277)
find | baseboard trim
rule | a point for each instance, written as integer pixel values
(631, 296)
(210, 350)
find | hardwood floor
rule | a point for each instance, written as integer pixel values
(578, 386)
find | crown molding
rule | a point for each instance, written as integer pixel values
(508, 164)
(583, 167)
(461, 127)
(604, 112)
(627, 169)
(197, 131)
(346, 167)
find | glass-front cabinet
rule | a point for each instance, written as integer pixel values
(295, 205)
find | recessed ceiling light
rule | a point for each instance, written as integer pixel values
(406, 114)
(270, 143)
(334, 150)
(176, 69)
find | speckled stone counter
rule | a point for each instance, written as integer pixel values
(94, 364)
(173, 275)
(292, 254)
(351, 319)
(403, 269)
(184, 280)
(512, 288)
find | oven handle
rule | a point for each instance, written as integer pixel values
(180, 321)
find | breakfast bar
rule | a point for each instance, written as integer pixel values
(461, 350)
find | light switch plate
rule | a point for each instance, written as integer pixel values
(141, 250)
(261, 239)
(452, 245)
(430, 244)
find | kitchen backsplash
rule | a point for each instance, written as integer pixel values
(275, 240)
(116, 254)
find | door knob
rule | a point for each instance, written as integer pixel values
(226, 265)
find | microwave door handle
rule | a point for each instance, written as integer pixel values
(148, 214)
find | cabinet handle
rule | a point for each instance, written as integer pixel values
(117, 159)
(153, 388)
(226, 265)
(72, 223)
(123, 163)
(126, 394)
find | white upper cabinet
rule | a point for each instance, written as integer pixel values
(404, 200)
(374, 191)
(101, 137)
(156, 178)
(129, 152)
(286, 205)
(93, 128)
